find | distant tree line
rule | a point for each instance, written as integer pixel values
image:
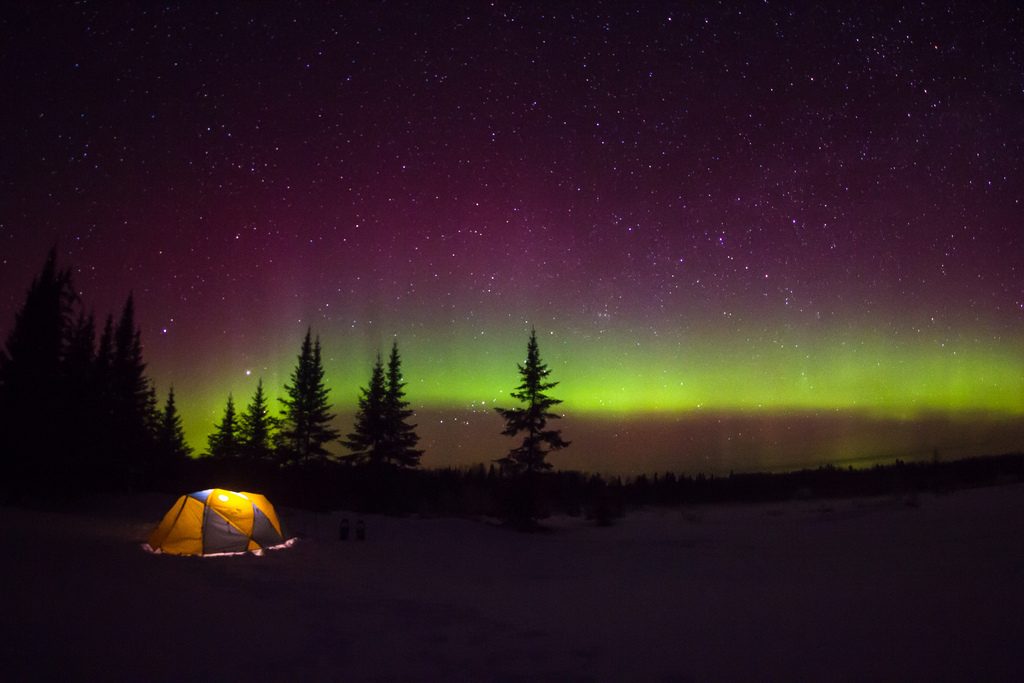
(382, 436)
(297, 436)
(486, 491)
(382, 442)
(78, 412)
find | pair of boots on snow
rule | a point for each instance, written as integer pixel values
(343, 530)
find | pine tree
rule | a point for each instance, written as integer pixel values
(80, 354)
(170, 436)
(400, 437)
(152, 417)
(306, 413)
(530, 455)
(224, 442)
(381, 434)
(35, 346)
(255, 427)
(105, 350)
(131, 419)
(134, 399)
(32, 378)
(82, 416)
(108, 457)
(69, 411)
(368, 436)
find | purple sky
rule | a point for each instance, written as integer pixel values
(623, 176)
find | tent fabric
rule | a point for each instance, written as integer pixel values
(218, 521)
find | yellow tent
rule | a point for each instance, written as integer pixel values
(217, 521)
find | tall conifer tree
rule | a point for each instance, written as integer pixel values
(82, 415)
(224, 442)
(306, 413)
(103, 367)
(401, 437)
(32, 377)
(80, 354)
(368, 435)
(533, 417)
(170, 436)
(68, 410)
(255, 427)
(132, 393)
(105, 349)
(132, 417)
(381, 434)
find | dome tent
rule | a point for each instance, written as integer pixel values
(216, 522)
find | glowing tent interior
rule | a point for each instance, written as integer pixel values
(216, 522)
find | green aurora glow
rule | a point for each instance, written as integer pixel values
(626, 379)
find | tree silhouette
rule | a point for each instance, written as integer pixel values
(532, 418)
(35, 345)
(381, 434)
(170, 437)
(80, 355)
(256, 426)
(82, 413)
(401, 437)
(224, 442)
(306, 413)
(133, 399)
(368, 436)
(105, 350)
(32, 396)
(128, 367)
(73, 413)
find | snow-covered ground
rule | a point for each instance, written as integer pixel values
(854, 590)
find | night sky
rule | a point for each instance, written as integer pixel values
(747, 234)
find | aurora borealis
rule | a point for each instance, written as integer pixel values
(748, 234)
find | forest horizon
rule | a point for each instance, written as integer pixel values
(627, 430)
(730, 405)
(747, 235)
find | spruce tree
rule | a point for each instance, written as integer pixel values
(152, 416)
(82, 414)
(255, 427)
(533, 417)
(305, 415)
(105, 350)
(105, 408)
(35, 346)
(367, 440)
(132, 418)
(71, 411)
(224, 442)
(133, 397)
(35, 442)
(80, 354)
(170, 436)
(381, 434)
(127, 353)
(103, 365)
(400, 437)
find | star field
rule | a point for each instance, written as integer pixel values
(780, 213)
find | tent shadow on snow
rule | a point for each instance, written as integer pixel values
(219, 522)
